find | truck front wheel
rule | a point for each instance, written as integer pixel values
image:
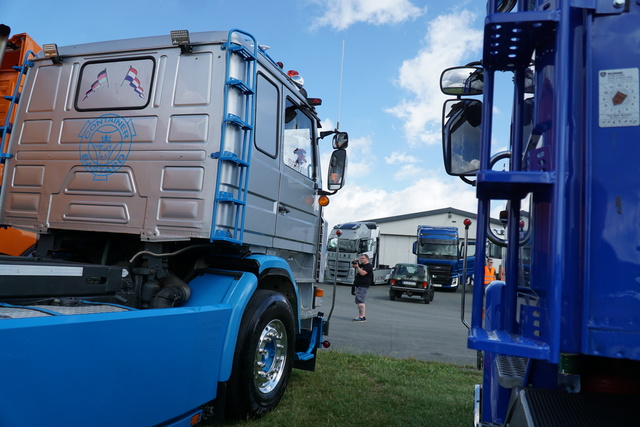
(263, 358)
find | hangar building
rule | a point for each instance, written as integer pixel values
(397, 233)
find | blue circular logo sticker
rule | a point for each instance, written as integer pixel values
(105, 144)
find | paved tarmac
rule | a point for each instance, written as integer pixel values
(402, 329)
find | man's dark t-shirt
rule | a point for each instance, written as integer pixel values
(367, 279)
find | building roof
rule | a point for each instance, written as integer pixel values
(451, 210)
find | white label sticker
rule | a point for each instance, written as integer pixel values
(618, 98)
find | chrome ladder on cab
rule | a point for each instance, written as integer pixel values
(232, 178)
(14, 98)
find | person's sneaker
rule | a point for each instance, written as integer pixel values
(360, 319)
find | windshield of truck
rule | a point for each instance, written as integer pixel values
(346, 245)
(438, 250)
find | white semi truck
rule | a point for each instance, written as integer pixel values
(354, 238)
(174, 185)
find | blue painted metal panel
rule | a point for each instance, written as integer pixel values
(233, 290)
(612, 274)
(48, 366)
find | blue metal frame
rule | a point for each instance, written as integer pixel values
(512, 186)
(584, 218)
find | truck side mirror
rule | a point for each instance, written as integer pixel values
(462, 81)
(337, 170)
(415, 248)
(461, 136)
(529, 81)
(340, 140)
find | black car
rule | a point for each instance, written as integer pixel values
(410, 280)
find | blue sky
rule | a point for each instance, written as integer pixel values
(394, 52)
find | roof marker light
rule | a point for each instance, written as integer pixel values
(181, 38)
(51, 51)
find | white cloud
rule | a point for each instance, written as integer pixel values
(356, 202)
(341, 14)
(405, 166)
(449, 40)
(400, 158)
(408, 172)
(361, 157)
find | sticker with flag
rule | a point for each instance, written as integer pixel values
(132, 78)
(100, 80)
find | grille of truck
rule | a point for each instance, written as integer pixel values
(440, 274)
(343, 269)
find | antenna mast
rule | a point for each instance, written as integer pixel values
(340, 92)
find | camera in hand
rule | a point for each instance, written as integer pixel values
(354, 262)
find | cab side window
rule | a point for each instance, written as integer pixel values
(297, 147)
(266, 135)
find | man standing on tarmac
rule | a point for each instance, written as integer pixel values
(364, 278)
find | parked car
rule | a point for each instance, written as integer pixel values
(410, 280)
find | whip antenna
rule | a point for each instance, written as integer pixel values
(340, 91)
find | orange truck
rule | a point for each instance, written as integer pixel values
(14, 53)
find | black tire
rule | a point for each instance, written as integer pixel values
(432, 293)
(392, 295)
(426, 298)
(261, 368)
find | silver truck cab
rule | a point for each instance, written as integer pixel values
(170, 140)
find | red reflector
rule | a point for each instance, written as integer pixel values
(326, 344)
(314, 101)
